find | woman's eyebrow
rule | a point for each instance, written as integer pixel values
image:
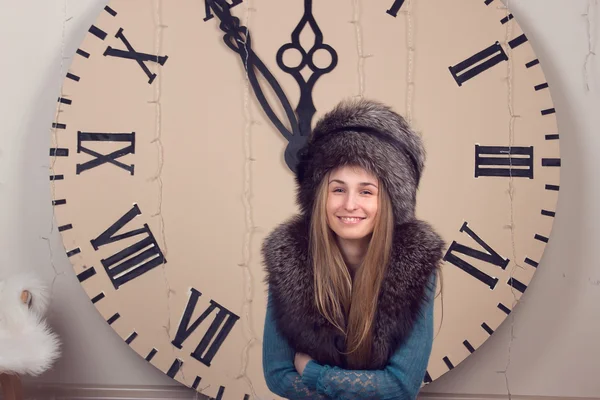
(361, 183)
(368, 184)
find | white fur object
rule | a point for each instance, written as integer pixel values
(27, 345)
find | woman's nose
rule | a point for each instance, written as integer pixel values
(350, 203)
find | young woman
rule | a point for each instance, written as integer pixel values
(351, 279)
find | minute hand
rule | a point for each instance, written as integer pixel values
(237, 38)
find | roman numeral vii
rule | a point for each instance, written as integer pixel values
(216, 334)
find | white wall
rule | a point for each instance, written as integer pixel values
(555, 349)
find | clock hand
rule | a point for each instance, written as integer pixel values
(237, 38)
(306, 108)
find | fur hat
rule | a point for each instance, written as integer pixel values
(27, 344)
(370, 135)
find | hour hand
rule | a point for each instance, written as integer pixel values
(237, 37)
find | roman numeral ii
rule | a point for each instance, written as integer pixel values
(480, 62)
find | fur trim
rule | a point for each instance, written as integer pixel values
(27, 345)
(368, 134)
(416, 254)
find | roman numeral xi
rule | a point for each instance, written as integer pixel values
(216, 333)
(132, 260)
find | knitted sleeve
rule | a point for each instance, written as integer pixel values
(400, 379)
(278, 363)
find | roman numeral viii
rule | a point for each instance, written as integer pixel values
(478, 63)
(131, 54)
(132, 260)
(504, 161)
(100, 159)
(216, 334)
(489, 256)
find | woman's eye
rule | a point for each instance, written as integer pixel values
(338, 190)
(366, 192)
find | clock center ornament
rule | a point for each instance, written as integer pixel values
(179, 128)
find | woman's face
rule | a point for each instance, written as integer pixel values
(352, 202)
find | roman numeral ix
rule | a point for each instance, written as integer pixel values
(100, 159)
(216, 334)
(133, 260)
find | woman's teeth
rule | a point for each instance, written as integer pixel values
(350, 220)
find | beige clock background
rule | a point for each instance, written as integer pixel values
(543, 335)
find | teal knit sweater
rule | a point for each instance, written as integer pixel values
(400, 379)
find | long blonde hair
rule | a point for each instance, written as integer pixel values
(349, 305)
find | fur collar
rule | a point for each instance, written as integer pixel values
(416, 253)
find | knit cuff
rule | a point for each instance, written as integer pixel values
(311, 373)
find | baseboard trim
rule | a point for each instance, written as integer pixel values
(98, 392)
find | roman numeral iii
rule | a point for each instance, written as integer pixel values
(504, 161)
(133, 260)
(216, 334)
(489, 256)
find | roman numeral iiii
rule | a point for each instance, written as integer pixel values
(216, 334)
(489, 256)
(132, 260)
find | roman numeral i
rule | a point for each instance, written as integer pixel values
(134, 260)
(216, 334)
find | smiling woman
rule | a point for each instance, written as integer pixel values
(352, 205)
(351, 278)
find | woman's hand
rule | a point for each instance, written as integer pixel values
(300, 361)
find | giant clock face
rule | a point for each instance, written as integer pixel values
(172, 156)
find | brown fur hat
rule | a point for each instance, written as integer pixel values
(370, 135)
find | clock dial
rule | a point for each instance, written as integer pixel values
(173, 153)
